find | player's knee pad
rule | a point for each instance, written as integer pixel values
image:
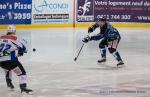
(111, 50)
(19, 71)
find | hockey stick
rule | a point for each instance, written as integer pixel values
(80, 51)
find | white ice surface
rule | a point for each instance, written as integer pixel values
(53, 73)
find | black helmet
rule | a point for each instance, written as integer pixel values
(103, 19)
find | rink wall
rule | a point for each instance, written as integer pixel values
(73, 13)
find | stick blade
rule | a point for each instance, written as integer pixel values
(75, 58)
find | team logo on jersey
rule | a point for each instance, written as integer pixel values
(85, 10)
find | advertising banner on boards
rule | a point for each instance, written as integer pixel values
(114, 10)
(15, 11)
(51, 11)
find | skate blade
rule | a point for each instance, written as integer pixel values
(120, 66)
(24, 93)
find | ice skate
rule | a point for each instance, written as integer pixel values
(102, 60)
(120, 64)
(9, 84)
(27, 91)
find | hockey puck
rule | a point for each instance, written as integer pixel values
(34, 49)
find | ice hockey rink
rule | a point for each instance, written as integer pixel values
(52, 71)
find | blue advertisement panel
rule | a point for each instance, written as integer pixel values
(15, 11)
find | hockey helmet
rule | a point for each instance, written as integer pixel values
(11, 29)
(102, 19)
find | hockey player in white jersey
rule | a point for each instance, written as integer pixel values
(11, 47)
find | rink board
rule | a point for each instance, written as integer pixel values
(120, 25)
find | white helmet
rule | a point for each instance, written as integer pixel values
(11, 29)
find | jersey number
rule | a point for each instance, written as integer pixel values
(4, 49)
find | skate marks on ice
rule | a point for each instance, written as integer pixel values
(105, 66)
(118, 85)
(86, 78)
(120, 90)
(134, 86)
(139, 88)
(127, 89)
(5, 92)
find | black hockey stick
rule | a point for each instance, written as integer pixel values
(79, 52)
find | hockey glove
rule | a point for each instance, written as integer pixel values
(90, 30)
(86, 39)
(20, 52)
